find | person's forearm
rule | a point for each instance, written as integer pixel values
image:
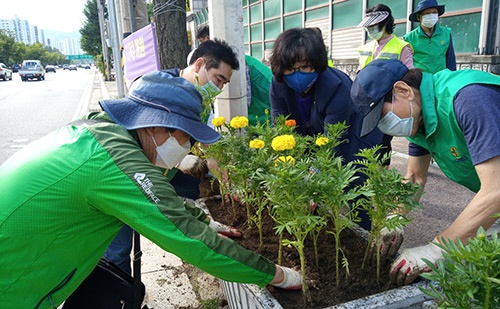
(478, 213)
(416, 171)
(278, 276)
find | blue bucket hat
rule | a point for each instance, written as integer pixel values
(157, 99)
(424, 5)
(371, 85)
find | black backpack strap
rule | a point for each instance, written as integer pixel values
(139, 288)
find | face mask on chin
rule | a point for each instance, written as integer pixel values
(391, 124)
(429, 20)
(170, 153)
(209, 91)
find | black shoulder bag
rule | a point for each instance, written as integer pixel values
(109, 287)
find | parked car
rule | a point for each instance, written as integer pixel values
(5, 72)
(72, 67)
(16, 67)
(65, 66)
(50, 68)
(85, 66)
(35, 71)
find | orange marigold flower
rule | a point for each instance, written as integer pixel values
(290, 123)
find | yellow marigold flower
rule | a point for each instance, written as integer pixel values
(287, 159)
(283, 142)
(257, 143)
(290, 123)
(239, 122)
(322, 141)
(218, 121)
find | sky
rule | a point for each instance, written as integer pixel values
(56, 15)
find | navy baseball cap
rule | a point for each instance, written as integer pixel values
(371, 85)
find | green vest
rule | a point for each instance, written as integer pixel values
(429, 54)
(260, 83)
(391, 50)
(442, 136)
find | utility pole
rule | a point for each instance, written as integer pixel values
(102, 26)
(115, 46)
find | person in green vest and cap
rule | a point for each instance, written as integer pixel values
(379, 26)
(432, 44)
(441, 114)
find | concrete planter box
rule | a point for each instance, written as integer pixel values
(250, 296)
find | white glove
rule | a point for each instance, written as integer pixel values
(409, 265)
(223, 229)
(388, 244)
(193, 165)
(292, 279)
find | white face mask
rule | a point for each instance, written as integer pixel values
(391, 124)
(170, 153)
(429, 20)
(374, 33)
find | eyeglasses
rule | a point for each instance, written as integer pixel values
(303, 68)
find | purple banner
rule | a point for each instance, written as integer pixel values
(140, 53)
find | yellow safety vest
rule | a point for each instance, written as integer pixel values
(391, 50)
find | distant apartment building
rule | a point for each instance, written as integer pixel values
(25, 33)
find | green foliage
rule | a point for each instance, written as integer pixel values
(391, 200)
(468, 276)
(90, 40)
(14, 52)
(302, 183)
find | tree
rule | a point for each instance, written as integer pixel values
(90, 41)
(171, 30)
(6, 44)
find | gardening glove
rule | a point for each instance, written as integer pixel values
(292, 279)
(194, 166)
(409, 265)
(223, 229)
(389, 243)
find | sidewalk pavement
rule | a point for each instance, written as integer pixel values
(170, 282)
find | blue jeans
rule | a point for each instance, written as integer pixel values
(118, 251)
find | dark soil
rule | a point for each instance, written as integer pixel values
(360, 282)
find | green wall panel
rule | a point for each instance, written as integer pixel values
(256, 32)
(398, 7)
(272, 29)
(293, 21)
(347, 14)
(257, 51)
(464, 31)
(292, 6)
(272, 8)
(455, 5)
(310, 3)
(317, 14)
(255, 13)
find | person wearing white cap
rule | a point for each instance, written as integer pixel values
(379, 25)
(432, 44)
(65, 196)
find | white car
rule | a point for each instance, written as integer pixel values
(5, 72)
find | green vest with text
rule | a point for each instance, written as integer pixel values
(442, 136)
(391, 50)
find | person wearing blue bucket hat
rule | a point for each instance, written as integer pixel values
(432, 44)
(442, 117)
(65, 196)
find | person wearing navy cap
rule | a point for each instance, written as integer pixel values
(65, 196)
(442, 114)
(432, 44)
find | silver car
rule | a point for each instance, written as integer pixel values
(5, 72)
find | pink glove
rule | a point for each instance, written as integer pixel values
(223, 229)
(409, 265)
(292, 279)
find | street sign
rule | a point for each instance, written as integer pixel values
(78, 57)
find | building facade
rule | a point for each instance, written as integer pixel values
(474, 24)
